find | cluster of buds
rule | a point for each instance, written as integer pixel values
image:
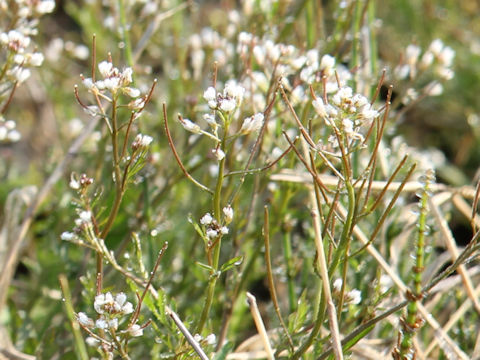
(77, 183)
(346, 114)
(114, 81)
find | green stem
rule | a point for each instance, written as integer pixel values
(345, 236)
(125, 34)
(217, 213)
(412, 322)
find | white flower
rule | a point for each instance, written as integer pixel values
(132, 92)
(105, 68)
(412, 52)
(210, 94)
(127, 76)
(337, 284)
(434, 89)
(227, 104)
(232, 89)
(142, 141)
(136, 330)
(45, 6)
(211, 339)
(85, 216)
(101, 300)
(84, 320)
(197, 337)
(319, 107)
(67, 236)
(327, 64)
(228, 213)
(252, 123)
(206, 219)
(210, 119)
(14, 136)
(190, 126)
(436, 46)
(211, 233)
(219, 154)
(101, 324)
(36, 59)
(354, 296)
(224, 230)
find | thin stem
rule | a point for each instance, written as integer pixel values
(217, 213)
(125, 34)
(271, 281)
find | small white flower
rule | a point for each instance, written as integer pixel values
(132, 92)
(142, 140)
(227, 104)
(85, 216)
(206, 219)
(136, 330)
(224, 230)
(211, 339)
(14, 136)
(45, 6)
(252, 123)
(190, 126)
(88, 83)
(232, 89)
(436, 46)
(210, 94)
(113, 324)
(434, 89)
(36, 59)
(112, 84)
(74, 183)
(67, 236)
(101, 324)
(219, 154)
(127, 76)
(210, 119)
(101, 300)
(197, 337)
(228, 213)
(412, 52)
(327, 64)
(354, 296)
(105, 68)
(91, 341)
(319, 107)
(211, 233)
(84, 320)
(337, 284)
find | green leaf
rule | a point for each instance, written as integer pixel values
(223, 352)
(231, 263)
(205, 266)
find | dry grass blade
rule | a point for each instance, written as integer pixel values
(252, 303)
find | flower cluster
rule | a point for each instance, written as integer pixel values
(438, 58)
(8, 131)
(114, 81)
(212, 230)
(18, 52)
(226, 101)
(111, 311)
(347, 113)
